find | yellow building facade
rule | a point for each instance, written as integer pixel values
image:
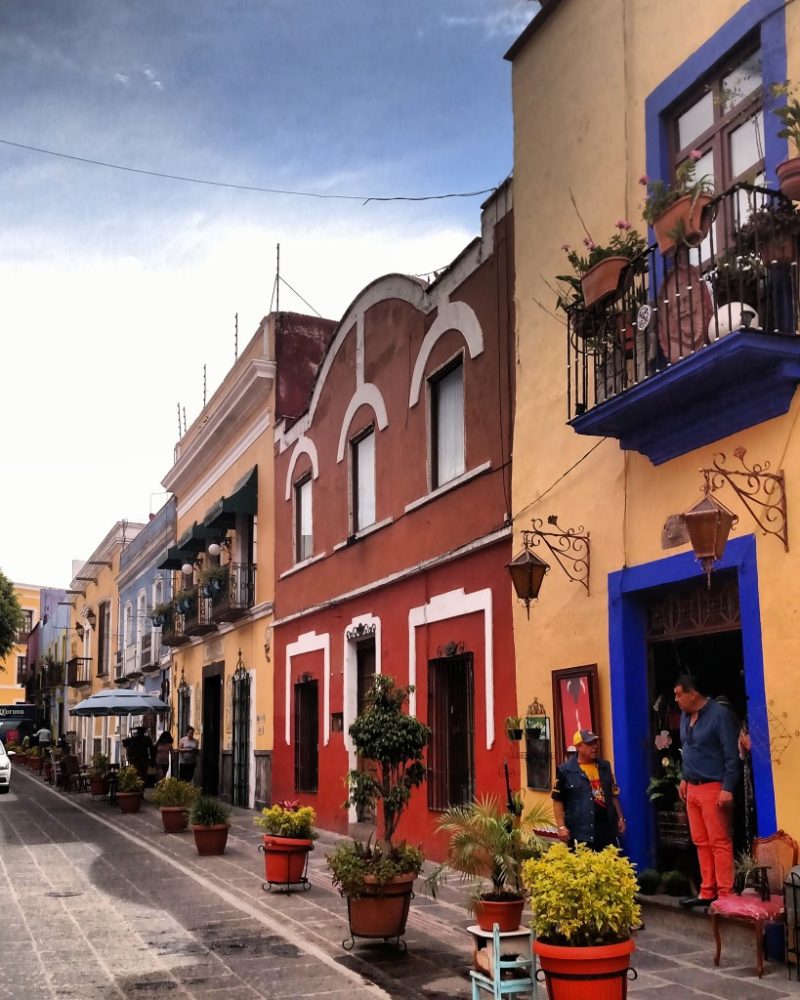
(618, 412)
(13, 668)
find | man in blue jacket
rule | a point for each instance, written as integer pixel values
(586, 798)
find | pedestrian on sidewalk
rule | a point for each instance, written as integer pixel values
(586, 798)
(43, 735)
(187, 752)
(162, 754)
(710, 756)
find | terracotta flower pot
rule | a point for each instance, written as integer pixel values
(789, 176)
(778, 249)
(569, 971)
(174, 818)
(35, 763)
(211, 839)
(606, 278)
(285, 859)
(505, 912)
(98, 786)
(129, 802)
(687, 220)
(381, 911)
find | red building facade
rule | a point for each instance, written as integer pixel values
(392, 514)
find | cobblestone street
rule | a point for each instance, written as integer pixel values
(101, 905)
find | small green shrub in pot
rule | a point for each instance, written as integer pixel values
(99, 767)
(649, 881)
(208, 811)
(128, 780)
(675, 883)
(288, 819)
(172, 792)
(351, 861)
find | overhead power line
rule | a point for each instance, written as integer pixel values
(364, 199)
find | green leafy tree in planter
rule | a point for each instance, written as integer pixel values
(394, 741)
(128, 780)
(11, 617)
(174, 793)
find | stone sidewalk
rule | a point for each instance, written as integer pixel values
(673, 957)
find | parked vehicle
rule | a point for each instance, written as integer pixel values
(5, 770)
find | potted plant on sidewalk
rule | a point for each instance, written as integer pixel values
(289, 836)
(174, 798)
(209, 822)
(129, 789)
(488, 842)
(584, 909)
(377, 879)
(678, 212)
(35, 758)
(98, 780)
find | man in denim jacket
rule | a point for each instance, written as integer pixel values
(586, 797)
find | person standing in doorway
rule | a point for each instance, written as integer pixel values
(710, 757)
(162, 753)
(187, 749)
(586, 798)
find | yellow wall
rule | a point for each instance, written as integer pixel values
(579, 93)
(10, 691)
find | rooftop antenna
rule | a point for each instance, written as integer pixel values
(204, 386)
(278, 278)
(179, 420)
(236, 337)
(184, 419)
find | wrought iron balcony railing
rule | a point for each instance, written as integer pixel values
(172, 628)
(79, 671)
(197, 614)
(233, 593)
(742, 277)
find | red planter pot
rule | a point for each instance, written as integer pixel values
(35, 763)
(688, 217)
(174, 818)
(507, 913)
(129, 802)
(285, 859)
(98, 786)
(569, 971)
(789, 176)
(381, 911)
(211, 839)
(608, 277)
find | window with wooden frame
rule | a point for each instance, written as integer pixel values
(22, 666)
(447, 423)
(451, 710)
(362, 477)
(103, 637)
(303, 521)
(26, 627)
(722, 119)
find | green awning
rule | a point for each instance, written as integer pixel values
(193, 539)
(243, 500)
(173, 558)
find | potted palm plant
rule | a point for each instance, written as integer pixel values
(788, 115)
(98, 782)
(129, 789)
(209, 821)
(678, 212)
(488, 842)
(377, 879)
(174, 798)
(289, 836)
(584, 906)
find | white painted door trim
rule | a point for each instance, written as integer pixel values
(310, 642)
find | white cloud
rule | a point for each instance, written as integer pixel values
(149, 74)
(510, 20)
(122, 77)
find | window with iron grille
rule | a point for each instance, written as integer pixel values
(451, 768)
(306, 737)
(184, 709)
(22, 664)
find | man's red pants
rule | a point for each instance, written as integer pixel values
(710, 827)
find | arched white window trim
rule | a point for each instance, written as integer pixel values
(454, 316)
(304, 446)
(367, 394)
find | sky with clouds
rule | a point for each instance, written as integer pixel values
(116, 287)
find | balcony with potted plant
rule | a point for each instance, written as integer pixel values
(231, 589)
(172, 630)
(196, 610)
(711, 343)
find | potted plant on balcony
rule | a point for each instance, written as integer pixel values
(771, 231)
(788, 115)
(678, 212)
(377, 880)
(289, 835)
(209, 821)
(174, 798)
(606, 269)
(212, 579)
(98, 781)
(584, 905)
(489, 842)
(129, 789)
(160, 614)
(184, 600)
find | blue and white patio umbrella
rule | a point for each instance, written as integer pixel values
(122, 702)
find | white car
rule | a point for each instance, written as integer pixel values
(5, 771)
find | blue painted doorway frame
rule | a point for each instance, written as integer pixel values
(630, 711)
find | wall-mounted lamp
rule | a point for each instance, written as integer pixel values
(527, 571)
(79, 630)
(709, 523)
(187, 569)
(215, 548)
(91, 618)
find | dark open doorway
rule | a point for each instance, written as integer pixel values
(211, 746)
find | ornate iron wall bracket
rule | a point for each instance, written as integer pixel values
(570, 546)
(762, 492)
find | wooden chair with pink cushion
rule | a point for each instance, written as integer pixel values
(774, 856)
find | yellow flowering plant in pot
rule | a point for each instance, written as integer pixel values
(584, 906)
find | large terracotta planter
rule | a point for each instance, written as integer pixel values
(174, 818)
(686, 220)
(381, 911)
(129, 802)
(569, 972)
(606, 278)
(98, 786)
(285, 859)
(789, 176)
(507, 913)
(211, 839)
(35, 763)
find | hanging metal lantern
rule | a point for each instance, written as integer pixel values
(527, 571)
(709, 523)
